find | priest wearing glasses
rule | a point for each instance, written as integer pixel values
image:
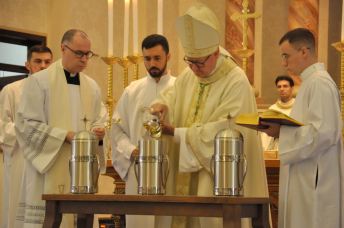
(195, 110)
(53, 102)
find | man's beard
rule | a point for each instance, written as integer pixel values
(157, 74)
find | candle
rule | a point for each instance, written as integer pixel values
(110, 15)
(342, 34)
(160, 11)
(126, 28)
(135, 28)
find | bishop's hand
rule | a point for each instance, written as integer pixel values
(159, 109)
(167, 129)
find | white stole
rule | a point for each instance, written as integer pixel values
(60, 116)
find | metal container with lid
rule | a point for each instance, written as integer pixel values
(228, 165)
(84, 166)
(151, 167)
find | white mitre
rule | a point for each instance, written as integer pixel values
(199, 31)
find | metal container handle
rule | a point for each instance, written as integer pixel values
(70, 161)
(96, 182)
(168, 171)
(136, 162)
(211, 168)
(242, 182)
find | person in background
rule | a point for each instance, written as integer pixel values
(285, 87)
(38, 58)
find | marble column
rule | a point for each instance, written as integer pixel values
(304, 14)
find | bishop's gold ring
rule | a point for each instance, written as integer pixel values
(152, 110)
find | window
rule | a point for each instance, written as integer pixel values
(13, 51)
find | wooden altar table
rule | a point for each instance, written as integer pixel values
(231, 209)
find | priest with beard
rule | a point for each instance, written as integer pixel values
(126, 133)
(194, 110)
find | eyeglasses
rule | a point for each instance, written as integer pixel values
(198, 64)
(286, 56)
(80, 54)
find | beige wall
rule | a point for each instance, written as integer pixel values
(54, 17)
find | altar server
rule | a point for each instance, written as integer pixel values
(125, 134)
(312, 167)
(38, 58)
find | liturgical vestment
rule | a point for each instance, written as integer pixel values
(311, 173)
(49, 108)
(126, 134)
(13, 158)
(197, 108)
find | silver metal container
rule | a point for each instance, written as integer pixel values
(84, 166)
(151, 167)
(228, 165)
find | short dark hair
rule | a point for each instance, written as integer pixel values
(299, 37)
(38, 49)
(69, 35)
(154, 40)
(286, 78)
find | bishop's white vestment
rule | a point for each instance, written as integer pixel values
(311, 172)
(271, 143)
(49, 108)
(13, 158)
(197, 108)
(126, 134)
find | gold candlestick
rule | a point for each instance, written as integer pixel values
(110, 60)
(125, 63)
(136, 59)
(340, 47)
(245, 53)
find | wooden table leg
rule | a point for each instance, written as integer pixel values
(85, 220)
(231, 216)
(52, 218)
(262, 221)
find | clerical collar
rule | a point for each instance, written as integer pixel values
(285, 105)
(309, 70)
(72, 78)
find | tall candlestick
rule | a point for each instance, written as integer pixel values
(160, 16)
(135, 28)
(110, 15)
(342, 34)
(126, 28)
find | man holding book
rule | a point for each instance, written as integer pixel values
(311, 172)
(285, 86)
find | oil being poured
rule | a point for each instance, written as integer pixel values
(154, 128)
(151, 123)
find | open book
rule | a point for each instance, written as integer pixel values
(252, 120)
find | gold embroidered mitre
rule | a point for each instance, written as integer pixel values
(199, 31)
